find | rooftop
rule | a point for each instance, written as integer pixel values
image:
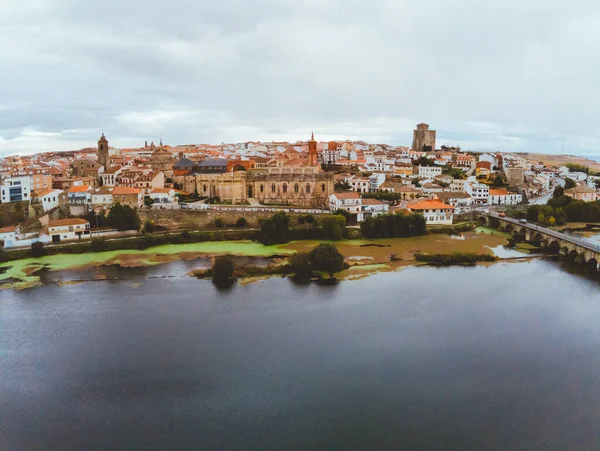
(430, 205)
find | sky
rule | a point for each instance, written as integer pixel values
(507, 75)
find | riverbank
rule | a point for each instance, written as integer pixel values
(364, 257)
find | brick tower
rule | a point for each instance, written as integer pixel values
(103, 157)
(313, 156)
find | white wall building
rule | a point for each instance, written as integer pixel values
(16, 189)
(434, 211)
(372, 208)
(68, 229)
(351, 202)
(429, 171)
(503, 197)
(49, 198)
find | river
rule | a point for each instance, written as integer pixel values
(499, 357)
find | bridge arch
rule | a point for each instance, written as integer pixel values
(554, 247)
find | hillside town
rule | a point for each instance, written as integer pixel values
(61, 189)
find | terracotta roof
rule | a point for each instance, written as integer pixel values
(430, 205)
(79, 189)
(499, 192)
(8, 229)
(125, 190)
(161, 190)
(66, 222)
(580, 190)
(452, 195)
(347, 195)
(43, 192)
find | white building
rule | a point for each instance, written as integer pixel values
(372, 208)
(456, 198)
(8, 235)
(102, 197)
(503, 197)
(68, 229)
(350, 202)
(359, 184)
(429, 172)
(49, 198)
(434, 211)
(376, 180)
(480, 192)
(16, 189)
(163, 196)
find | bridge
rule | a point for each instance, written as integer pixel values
(582, 250)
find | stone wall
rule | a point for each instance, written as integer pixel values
(198, 219)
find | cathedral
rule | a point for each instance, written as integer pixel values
(303, 185)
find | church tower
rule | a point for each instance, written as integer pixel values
(103, 157)
(313, 156)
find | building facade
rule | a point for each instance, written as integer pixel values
(423, 138)
(16, 189)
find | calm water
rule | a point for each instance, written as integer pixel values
(504, 357)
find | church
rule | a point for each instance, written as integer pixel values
(303, 185)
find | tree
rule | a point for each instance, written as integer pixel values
(326, 257)
(345, 213)
(342, 185)
(123, 217)
(148, 226)
(185, 236)
(219, 223)
(310, 219)
(276, 229)
(570, 183)
(37, 249)
(558, 192)
(222, 270)
(148, 201)
(300, 263)
(498, 182)
(333, 227)
(241, 222)
(301, 219)
(424, 161)
(551, 221)
(98, 245)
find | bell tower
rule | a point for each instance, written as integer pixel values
(103, 157)
(313, 156)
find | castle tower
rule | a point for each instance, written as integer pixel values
(103, 157)
(313, 156)
(423, 138)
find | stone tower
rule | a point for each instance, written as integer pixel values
(103, 157)
(313, 156)
(423, 138)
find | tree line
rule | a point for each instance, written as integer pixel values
(394, 225)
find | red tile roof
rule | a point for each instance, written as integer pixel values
(67, 222)
(430, 205)
(120, 190)
(79, 189)
(347, 195)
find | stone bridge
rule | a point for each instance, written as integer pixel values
(581, 250)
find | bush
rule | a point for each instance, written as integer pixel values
(222, 270)
(326, 257)
(123, 217)
(241, 222)
(37, 249)
(465, 259)
(276, 229)
(301, 219)
(300, 263)
(333, 227)
(394, 225)
(570, 183)
(185, 236)
(148, 226)
(98, 245)
(219, 223)
(310, 219)
(148, 201)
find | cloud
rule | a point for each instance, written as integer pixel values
(503, 74)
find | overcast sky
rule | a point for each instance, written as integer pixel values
(518, 75)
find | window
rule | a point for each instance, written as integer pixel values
(262, 188)
(284, 188)
(296, 188)
(273, 188)
(307, 188)
(323, 187)
(204, 188)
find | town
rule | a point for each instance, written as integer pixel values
(54, 197)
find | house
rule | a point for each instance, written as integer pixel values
(372, 208)
(16, 189)
(164, 196)
(465, 161)
(102, 197)
(376, 180)
(49, 198)
(8, 236)
(480, 192)
(349, 201)
(110, 176)
(429, 172)
(434, 211)
(504, 197)
(147, 182)
(429, 188)
(483, 168)
(68, 229)
(444, 178)
(455, 198)
(582, 193)
(359, 184)
(126, 195)
(80, 195)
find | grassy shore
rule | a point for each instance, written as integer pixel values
(364, 256)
